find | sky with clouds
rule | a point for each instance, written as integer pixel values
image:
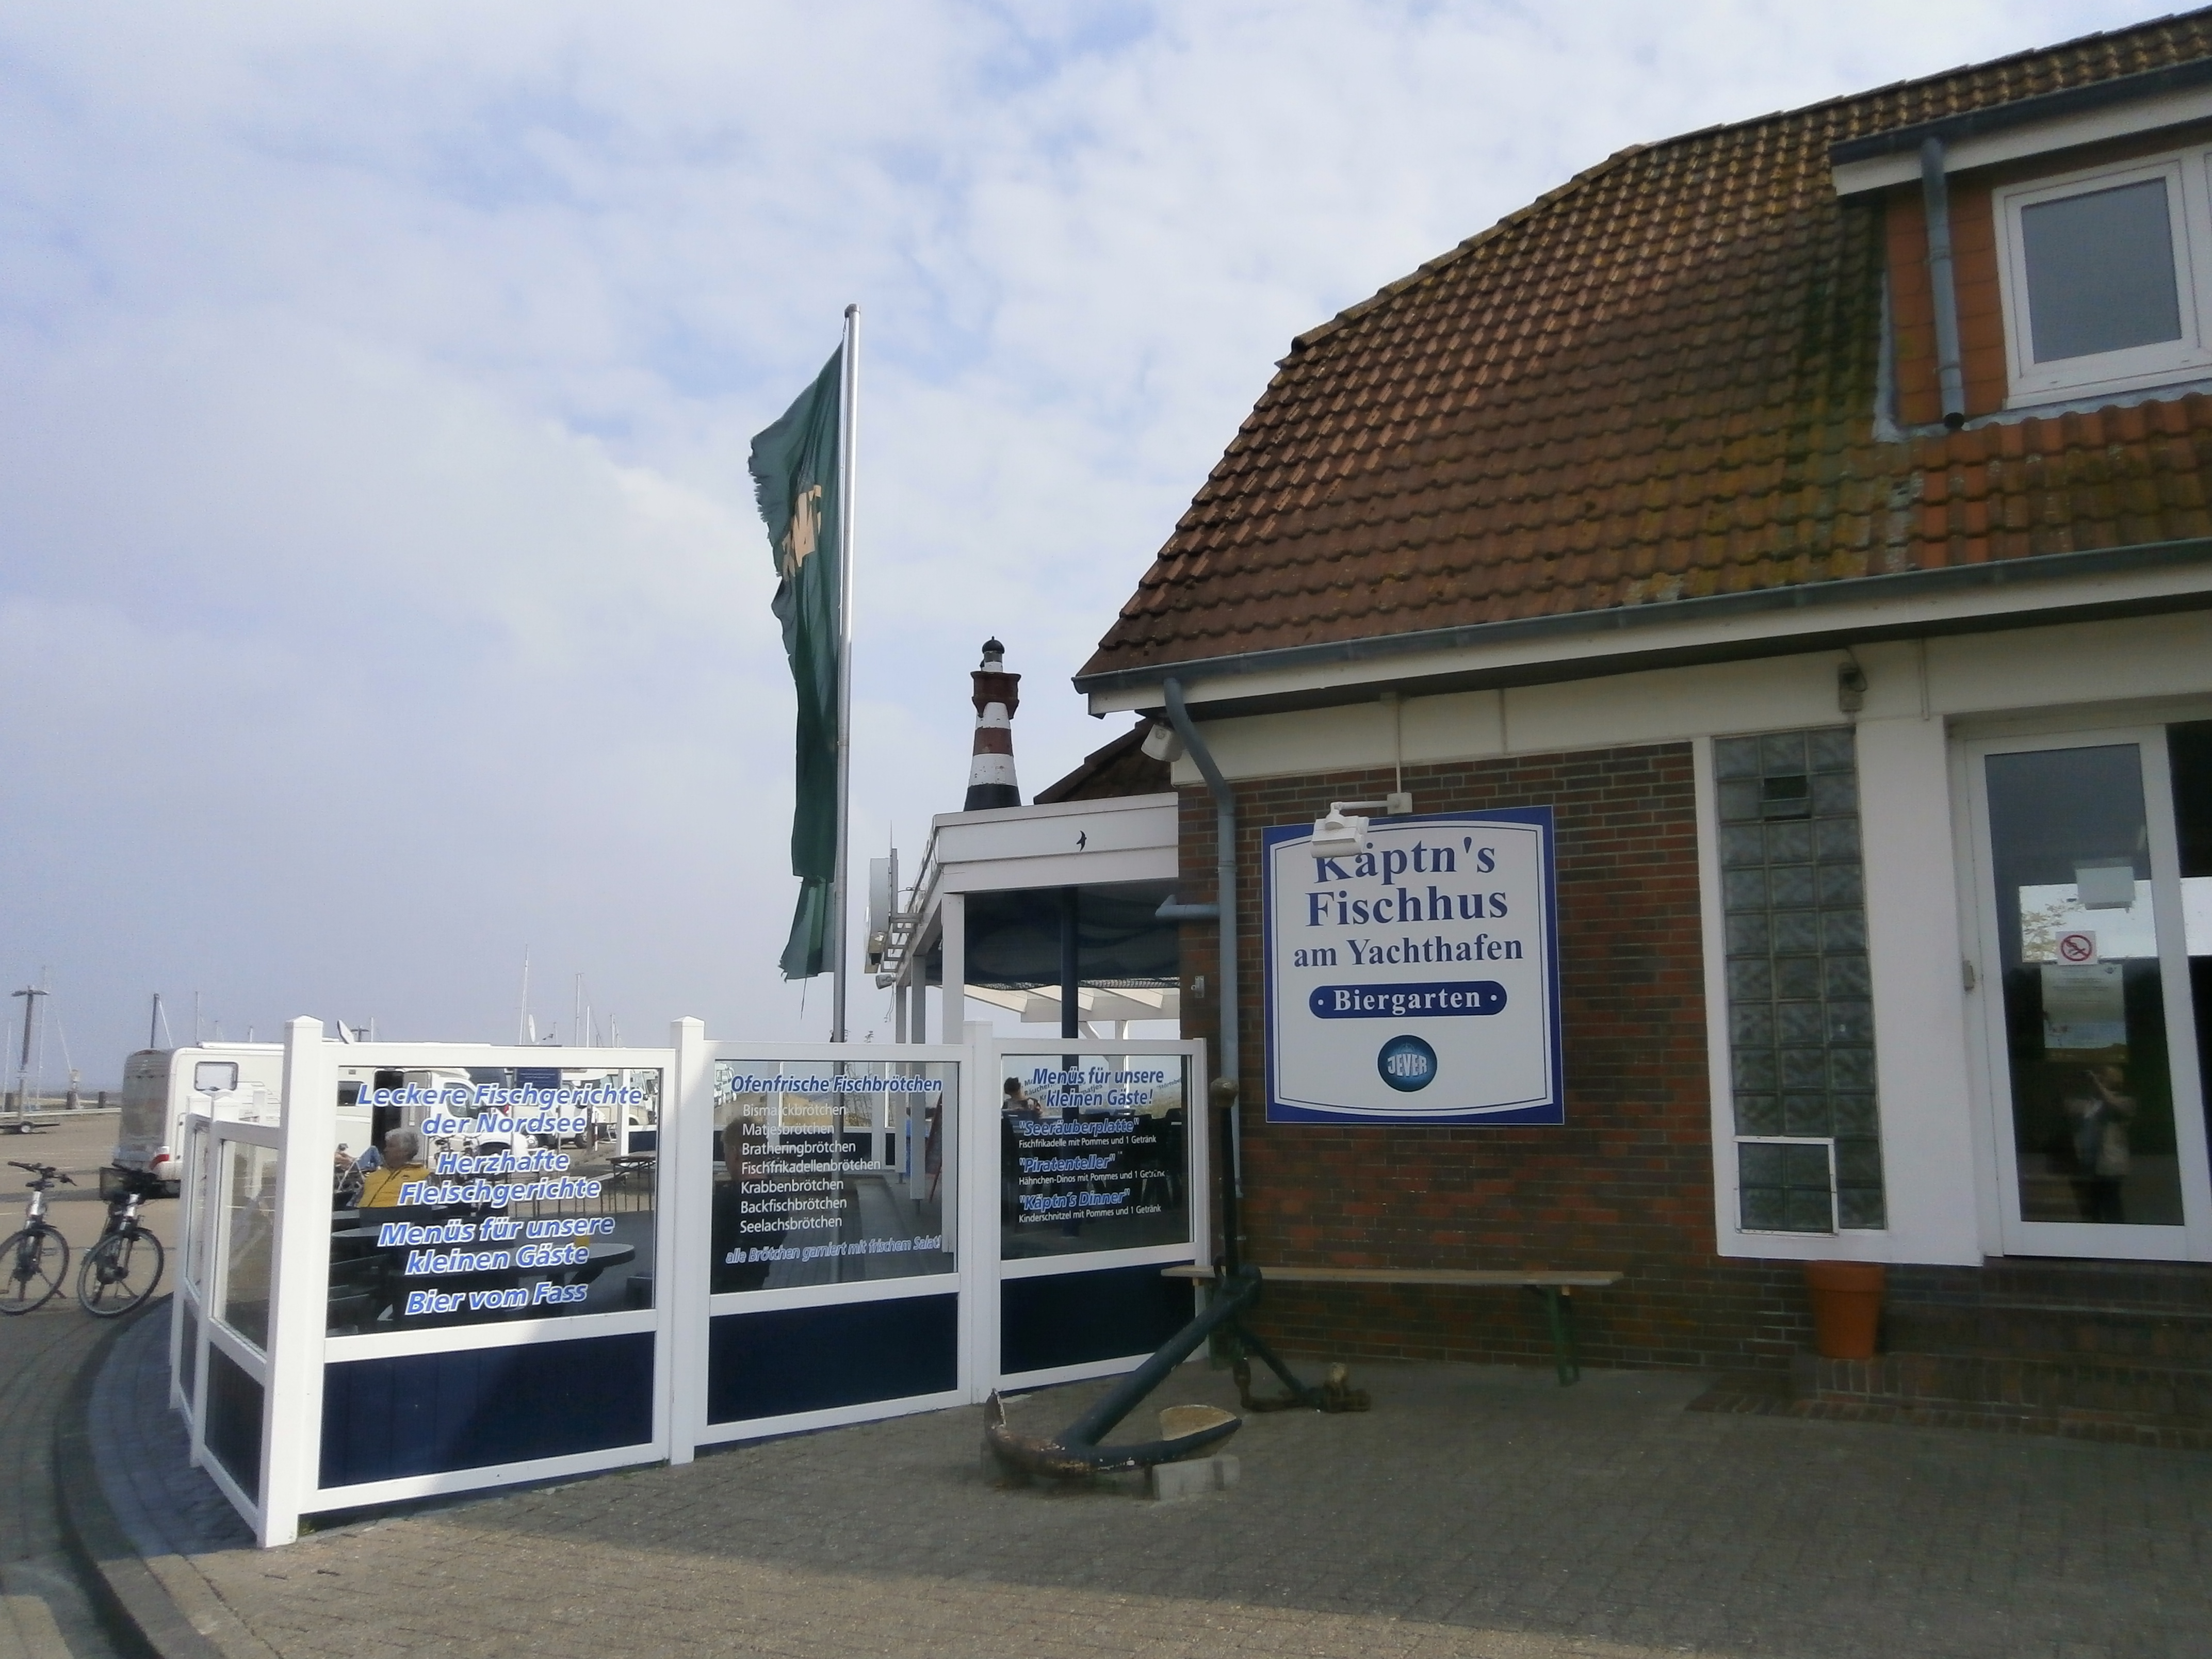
(380, 591)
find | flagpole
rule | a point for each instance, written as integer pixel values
(848, 420)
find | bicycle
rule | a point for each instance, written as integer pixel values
(122, 1269)
(35, 1259)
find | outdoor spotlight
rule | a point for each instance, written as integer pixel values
(1337, 833)
(1162, 742)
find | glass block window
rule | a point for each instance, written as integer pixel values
(1800, 1021)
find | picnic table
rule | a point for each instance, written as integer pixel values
(1556, 1287)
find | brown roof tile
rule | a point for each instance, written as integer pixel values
(1656, 382)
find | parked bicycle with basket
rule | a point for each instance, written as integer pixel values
(122, 1269)
(35, 1259)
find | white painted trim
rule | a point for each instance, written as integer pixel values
(1065, 808)
(1778, 629)
(835, 1417)
(495, 1334)
(181, 1302)
(1720, 1070)
(1979, 945)
(244, 1354)
(2150, 114)
(1045, 1267)
(680, 1298)
(972, 1168)
(833, 1295)
(419, 1057)
(299, 1287)
(473, 1480)
(1062, 870)
(1913, 949)
(1913, 952)
(2033, 673)
(2190, 222)
(253, 1134)
(2116, 1241)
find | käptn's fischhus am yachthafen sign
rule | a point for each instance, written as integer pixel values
(1415, 980)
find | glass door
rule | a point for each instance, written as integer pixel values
(2086, 989)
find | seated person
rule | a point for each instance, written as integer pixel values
(402, 1163)
(1018, 1103)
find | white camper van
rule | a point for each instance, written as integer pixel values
(246, 1078)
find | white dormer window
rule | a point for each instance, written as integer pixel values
(2103, 275)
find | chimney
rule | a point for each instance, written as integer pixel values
(998, 694)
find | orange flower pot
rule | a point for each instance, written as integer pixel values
(1846, 1307)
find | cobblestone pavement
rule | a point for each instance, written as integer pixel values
(1475, 1512)
(44, 1614)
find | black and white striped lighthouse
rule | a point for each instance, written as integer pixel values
(998, 694)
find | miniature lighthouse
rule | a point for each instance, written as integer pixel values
(998, 694)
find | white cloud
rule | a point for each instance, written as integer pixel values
(382, 590)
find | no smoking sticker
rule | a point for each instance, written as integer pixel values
(2077, 947)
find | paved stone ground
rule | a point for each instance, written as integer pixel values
(44, 1614)
(1475, 1512)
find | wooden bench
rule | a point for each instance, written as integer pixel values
(1557, 1289)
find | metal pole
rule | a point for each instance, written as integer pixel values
(30, 994)
(154, 1023)
(848, 418)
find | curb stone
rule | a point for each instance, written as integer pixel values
(138, 1611)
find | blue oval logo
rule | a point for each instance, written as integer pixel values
(1406, 1063)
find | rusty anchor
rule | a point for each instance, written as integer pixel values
(1186, 1430)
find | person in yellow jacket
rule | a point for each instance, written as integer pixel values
(403, 1163)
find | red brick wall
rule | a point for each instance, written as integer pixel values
(1625, 1184)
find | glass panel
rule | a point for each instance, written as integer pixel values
(2189, 753)
(199, 1207)
(2101, 272)
(188, 1360)
(1783, 1187)
(831, 1176)
(496, 1194)
(249, 1227)
(1092, 1153)
(1801, 1026)
(2084, 1018)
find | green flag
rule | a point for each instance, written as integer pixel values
(794, 468)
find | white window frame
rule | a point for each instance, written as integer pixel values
(2189, 209)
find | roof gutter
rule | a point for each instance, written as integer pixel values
(2026, 112)
(1666, 613)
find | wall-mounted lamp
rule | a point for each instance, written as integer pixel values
(1339, 831)
(1160, 744)
(1850, 686)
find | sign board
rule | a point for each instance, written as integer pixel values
(829, 1173)
(1417, 980)
(2085, 1008)
(505, 1207)
(1093, 1153)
